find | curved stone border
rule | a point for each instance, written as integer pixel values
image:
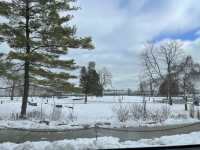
(44, 130)
(153, 129)
(22, 135)
(128, 129)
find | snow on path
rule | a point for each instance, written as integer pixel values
(105, 143)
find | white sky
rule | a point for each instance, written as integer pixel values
(119, 29)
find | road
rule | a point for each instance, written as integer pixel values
(137, 133)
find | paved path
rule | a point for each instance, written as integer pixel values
(137, 133)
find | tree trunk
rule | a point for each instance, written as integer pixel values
(185, 97)
(169, 85)
(151, 88)
(26, 90)
(170, 100)
(27, 65)
(12, 91)
(144, 107)
(86, 98)
(186, 108)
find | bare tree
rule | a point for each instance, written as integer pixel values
(170, 52)
(151, 68)
(143, 93)
(187, 72)
(184, 72)
(105, 77)
(159, 61)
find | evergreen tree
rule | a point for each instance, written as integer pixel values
(90, 81)
(95, 86)
(39, 33)
(84, 82)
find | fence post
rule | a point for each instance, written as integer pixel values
(191, 110)
(198, 113)
(96, 131)
(186, 100)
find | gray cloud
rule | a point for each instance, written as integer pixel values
(119, 29)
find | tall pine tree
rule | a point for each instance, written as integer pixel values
(38, 31)
(84, 82)
(90, 81)
(95, 87)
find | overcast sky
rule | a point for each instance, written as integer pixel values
(120, 28)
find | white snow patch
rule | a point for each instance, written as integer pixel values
(105, 143)
(97, 110)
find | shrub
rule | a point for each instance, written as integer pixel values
(122, 111)
(159, 115)
(138, 111)
(72, 116)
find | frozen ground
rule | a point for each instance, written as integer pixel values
(105, 143)
(97, 110)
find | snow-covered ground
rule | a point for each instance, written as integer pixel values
(105, 143)
(97, 110)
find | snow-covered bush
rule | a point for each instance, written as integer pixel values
(72, 116)
(138, 111)
(36, 115)
(159, 114)
(179, 116)
(122, 112)
(14, 116)
(191, 111)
